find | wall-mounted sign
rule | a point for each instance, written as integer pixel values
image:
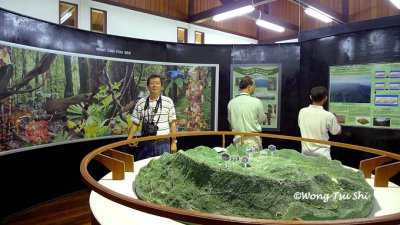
(366, 95)
(268, 83)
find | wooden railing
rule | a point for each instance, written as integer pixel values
(119, 162)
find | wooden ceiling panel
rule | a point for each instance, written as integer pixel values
(370, 9)
(173, 9)
(288, 11)
(285, 10)
(238, 26)
(203, 5)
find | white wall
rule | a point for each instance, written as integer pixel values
(122, 22)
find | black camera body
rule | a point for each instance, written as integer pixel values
(149, 129)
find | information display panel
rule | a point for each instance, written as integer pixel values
(268, 83)
(366, 95)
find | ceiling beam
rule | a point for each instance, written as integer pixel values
(208, 14)
(336, 16)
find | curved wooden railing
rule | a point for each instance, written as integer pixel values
(119, 162)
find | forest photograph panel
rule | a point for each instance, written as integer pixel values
(48, 97)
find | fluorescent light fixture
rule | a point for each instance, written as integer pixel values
(318, 14)
(396, 3)
(236, 12)
(268, 25)
(294, 40)
(65, 17)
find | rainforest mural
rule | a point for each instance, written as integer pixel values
(51, 97)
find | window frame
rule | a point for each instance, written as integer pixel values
(178, 29)
(75, 16)
(202, 37)
(104, 21)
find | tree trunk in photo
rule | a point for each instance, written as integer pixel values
(129, 88)
(96, 74)
(6, 73)
(57, 105)
(174, 88)
(43, 66)
(83, 75)
(37, 60)
(117, 71)
(68, 91)
(25, 97)
(134, 87)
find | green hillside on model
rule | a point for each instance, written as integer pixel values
(286, 186)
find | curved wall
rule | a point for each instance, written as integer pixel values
(33, 177)
(26, 175)
(32, 181)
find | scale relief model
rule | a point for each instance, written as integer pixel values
(281, 184)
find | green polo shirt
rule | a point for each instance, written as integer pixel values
(245, 113)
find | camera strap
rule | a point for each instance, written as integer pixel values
(147, 107)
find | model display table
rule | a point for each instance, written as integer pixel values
(108, 212)
(113, 200)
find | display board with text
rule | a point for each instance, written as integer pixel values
(366, 95)
(268, 82)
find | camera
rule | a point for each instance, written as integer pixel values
(149, 129)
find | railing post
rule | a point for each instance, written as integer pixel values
(368, 165)
(384, 173)
(116, 166)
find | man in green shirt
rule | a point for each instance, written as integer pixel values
(246, 113)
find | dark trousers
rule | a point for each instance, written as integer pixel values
(152, 148)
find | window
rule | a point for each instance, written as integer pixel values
(68, 14)
(198, 37)
(98, 21)
(182, 35)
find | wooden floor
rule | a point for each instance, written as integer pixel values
(72, 209)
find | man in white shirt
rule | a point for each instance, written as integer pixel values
(246, 113)
(157, 115)
(315, 123)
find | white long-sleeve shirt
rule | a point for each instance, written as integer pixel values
(315, 123)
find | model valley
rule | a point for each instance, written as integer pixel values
(281, 185)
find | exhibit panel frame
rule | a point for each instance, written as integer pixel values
(366, 95)
(268, 78)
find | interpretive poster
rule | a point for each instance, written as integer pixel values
(268, 82)
(49, 97)
(366, 95)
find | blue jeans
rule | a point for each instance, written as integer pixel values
(152, 148)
